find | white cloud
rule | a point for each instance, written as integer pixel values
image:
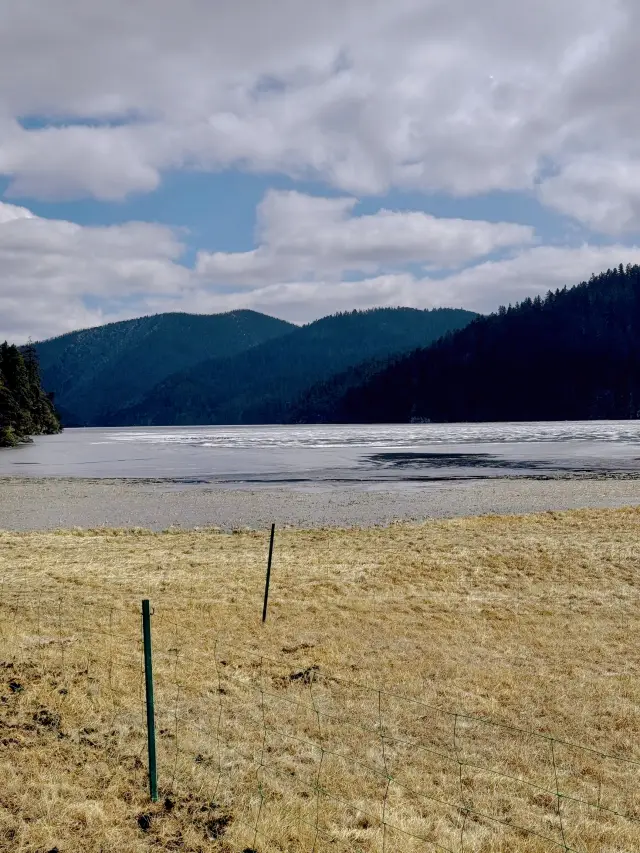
(58, 276)
(461, 97)
(51, 268)
(301, 235)
(11, 212)
(67, 162)
(458, 97)
(603, 194)
(482, 287)
(531, 272)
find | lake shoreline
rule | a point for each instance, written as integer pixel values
(31, 503)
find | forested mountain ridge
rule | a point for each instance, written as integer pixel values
(573, 355)
(316, 403)
(260, 384)
(25, 409)
(109, 367)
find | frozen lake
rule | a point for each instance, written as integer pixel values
(310, 455)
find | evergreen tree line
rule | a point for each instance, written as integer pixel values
(25, 408)
(572, 355)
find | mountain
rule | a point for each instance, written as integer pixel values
(109, 367)
(260, 384)
(316, 403)
(574, 355)
(25, 409)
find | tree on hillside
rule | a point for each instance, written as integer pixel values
(25, 409)
(574, 354)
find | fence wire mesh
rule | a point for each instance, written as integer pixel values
(286, 756)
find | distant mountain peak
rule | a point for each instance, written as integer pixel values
(262, 383)
(95, 369)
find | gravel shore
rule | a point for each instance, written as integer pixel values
(45, 504)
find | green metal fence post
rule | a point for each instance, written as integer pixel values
(266, 585)
(151, 719)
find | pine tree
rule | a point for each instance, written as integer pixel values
(574, 355)
(25, 409)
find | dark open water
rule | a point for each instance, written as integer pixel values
(332, 454)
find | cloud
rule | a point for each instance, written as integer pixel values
(482, 287)
(457, 98)
(461, 97)
(530, 272)
(11, 213)
(603, 194)
(59, 276)
(59, 163)
(302, 235)
(53, 270)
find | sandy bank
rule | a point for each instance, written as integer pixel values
(33, 504)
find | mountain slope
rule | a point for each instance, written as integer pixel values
(574, 355)
(317, 402)
(259, 385)
(25, 409)
(109, 367)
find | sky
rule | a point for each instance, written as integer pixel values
(299, 157)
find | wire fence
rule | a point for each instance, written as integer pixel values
(290, 757)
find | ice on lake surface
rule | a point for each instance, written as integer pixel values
(367, 454)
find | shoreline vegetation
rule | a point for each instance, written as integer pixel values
(25, 409)
(419, 681)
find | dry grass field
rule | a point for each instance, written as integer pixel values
(415, 688)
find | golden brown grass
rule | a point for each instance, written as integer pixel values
(303, 734)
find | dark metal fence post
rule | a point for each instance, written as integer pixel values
(266, 586)
(151, 719)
